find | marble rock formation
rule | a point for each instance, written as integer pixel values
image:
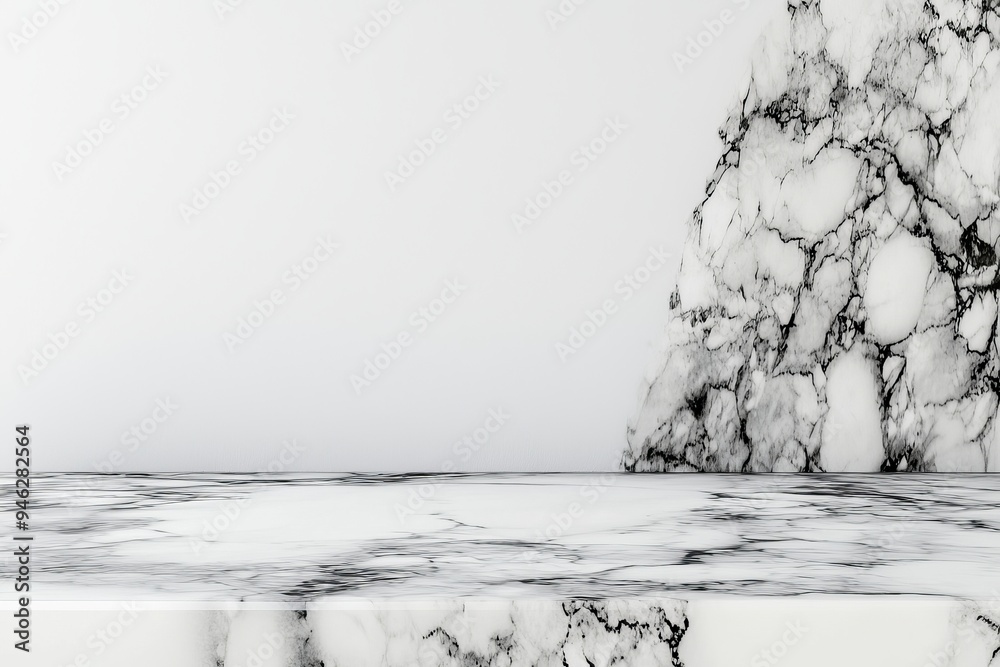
(450, 633)
(836, 306)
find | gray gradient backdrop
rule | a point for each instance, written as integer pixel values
(288, 387)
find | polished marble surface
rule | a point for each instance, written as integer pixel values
(301, 538)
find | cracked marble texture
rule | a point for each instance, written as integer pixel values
(273, 539)
(546, 634)
(836, 306)
(644, 632)
(604, 633)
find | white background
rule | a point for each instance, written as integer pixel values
(162, 337)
